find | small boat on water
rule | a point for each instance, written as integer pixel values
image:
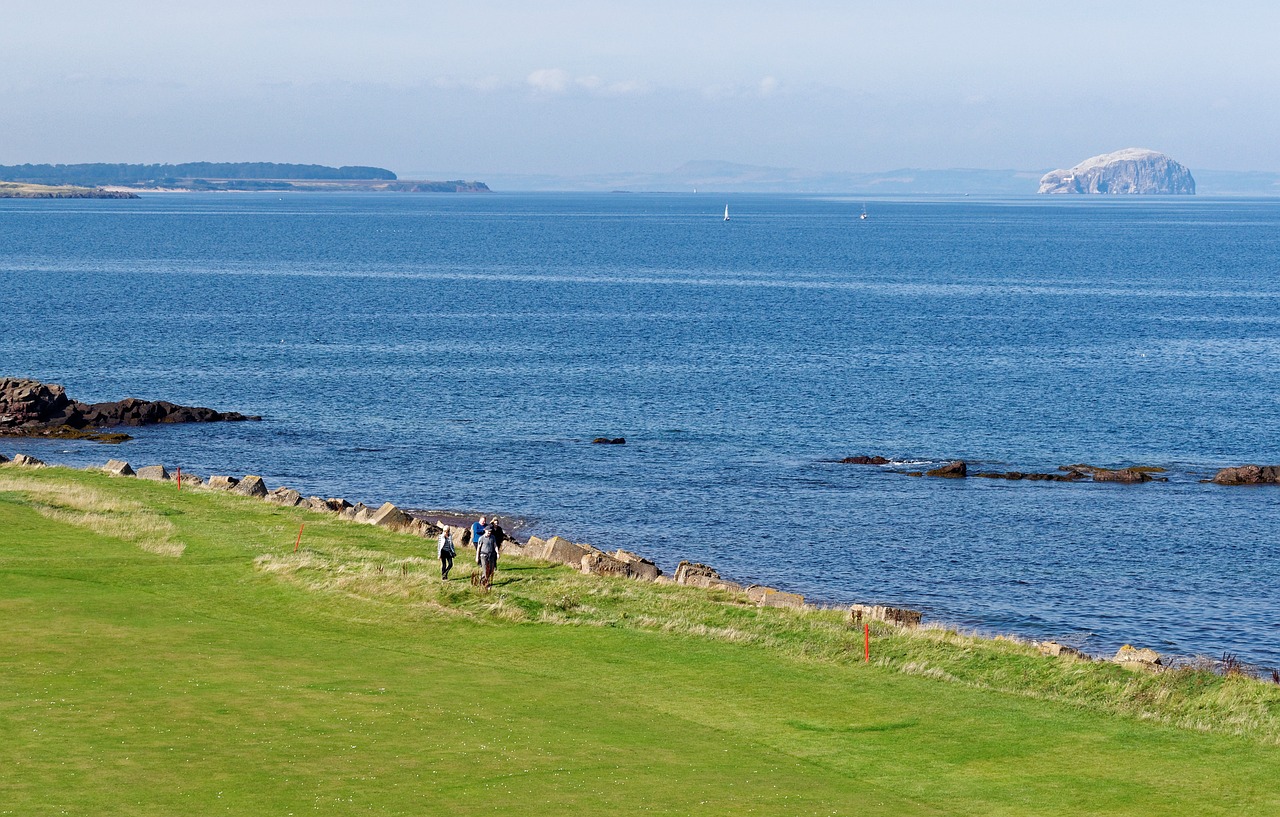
(863, 217)
(726, 212)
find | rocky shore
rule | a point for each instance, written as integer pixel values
(29, 408)
(594, 561)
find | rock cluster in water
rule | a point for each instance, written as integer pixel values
(1248, 475)
(1129, 171)
(29, 408)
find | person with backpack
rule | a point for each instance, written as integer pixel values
(446, 551)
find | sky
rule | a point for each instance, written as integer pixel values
(461, 89)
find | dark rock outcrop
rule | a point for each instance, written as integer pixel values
(1128, 171)
(1132, 474)
(863, 459)
(952, 470)
(1031, 476)
(29, 408)
(609, 441)
(1248, 475)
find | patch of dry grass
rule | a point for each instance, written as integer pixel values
(104, 514)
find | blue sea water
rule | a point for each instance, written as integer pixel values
(452, 351)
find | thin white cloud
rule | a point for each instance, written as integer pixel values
(556, 81)
(768, 86)
(549, 80)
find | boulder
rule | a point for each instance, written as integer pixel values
(901, 616)
(535, 548)
(3, 459)
(352, 512)
(284, 496)
(609, 441)
(638, 566)
(772, 597)
(252, 486)
(118, 468)
(863, 459)
(27, 459)
(952, 470)
(315, 503)
(566, 552)
(153, 472)
(337, 504)
(1248, 475)
(222, 483)
(513, 548)
(1144, 657)
(694, 574)
(191, 479)
(364, 514)
(1054, 650)
(602, 564)
(423, 528)
(389, 516)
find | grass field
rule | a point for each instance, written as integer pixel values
(168, 653)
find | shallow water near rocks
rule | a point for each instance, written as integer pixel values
(452, 351)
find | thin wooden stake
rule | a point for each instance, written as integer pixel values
(299, 542)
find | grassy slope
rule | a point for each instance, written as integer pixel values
(136, 681)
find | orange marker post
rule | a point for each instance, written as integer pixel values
(299, 542)
(866, 643)
(179, 478)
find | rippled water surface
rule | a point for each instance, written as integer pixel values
(454, 351)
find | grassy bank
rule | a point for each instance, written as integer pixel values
(170, 652)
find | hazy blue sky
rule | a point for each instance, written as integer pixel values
(465, 88)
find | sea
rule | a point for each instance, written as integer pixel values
(461, 352)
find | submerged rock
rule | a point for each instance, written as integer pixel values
(863, 459)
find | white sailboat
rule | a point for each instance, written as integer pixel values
(726, 212)
(863, 217)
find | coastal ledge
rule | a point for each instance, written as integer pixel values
(29, 408)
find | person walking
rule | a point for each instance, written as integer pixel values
(487, 558)
(446, 552)
(499, 535)
(477, 530)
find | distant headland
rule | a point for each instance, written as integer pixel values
(110, 179)
(1129, 171)
(20, 190)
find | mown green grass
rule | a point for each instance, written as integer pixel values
(168, 653)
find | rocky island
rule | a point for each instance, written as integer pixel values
(29, 408)
(1128, 171)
